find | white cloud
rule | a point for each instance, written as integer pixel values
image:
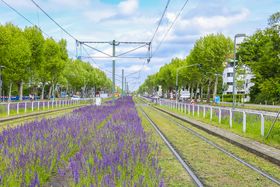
(128, 7)
(98, 15)
(212, 23)
(137, 68)
(220, 21)
(70, 3)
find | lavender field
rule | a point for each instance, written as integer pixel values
(92, 146)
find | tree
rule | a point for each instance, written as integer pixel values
(261, 53)
(55, 62)
(36, 43)
(18, 58)
(274, 20)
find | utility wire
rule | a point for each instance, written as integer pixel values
(98, 66)
(131, 50)
(94, 61)
(54, 20)
(164, 11)
(138, 71)
(12, 8)
(97, 50)
(64, 30)
(168, 30)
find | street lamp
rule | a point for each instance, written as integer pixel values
(1, 81)
(234, 70)
(177, 72)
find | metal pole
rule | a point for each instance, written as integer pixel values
(113, 72)
(77, 44)
(234, 70)
(1, 82)
(127, 91)
(177, 71)
(122, 82)
(125, 86)
(234, 64)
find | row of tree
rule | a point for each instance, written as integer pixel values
(31, 63)
(260, 52)
(206, 63)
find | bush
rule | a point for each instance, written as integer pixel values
(228, 97)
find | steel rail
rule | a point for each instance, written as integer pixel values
(254, 168)
(192, 174)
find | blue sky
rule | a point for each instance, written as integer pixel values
(136, 20)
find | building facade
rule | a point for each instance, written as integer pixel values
(243, 80)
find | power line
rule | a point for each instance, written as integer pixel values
(138, 71)
(164, 11)
(54, 20)
(129, 51)
(94, 61)
(168, 30)
(98, 66)
(96, 49)
(12, 8)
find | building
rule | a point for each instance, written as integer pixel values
(243, 80)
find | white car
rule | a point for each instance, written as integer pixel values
(75, 97)
(185, 95)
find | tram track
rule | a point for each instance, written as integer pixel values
(188, 169)
(209, 142)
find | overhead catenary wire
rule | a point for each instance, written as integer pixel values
(160, 21)
(170, 27)
(98, 66)
(64, 30)
(97, 50)
(16, 11)
(129, 51)
(153, 37)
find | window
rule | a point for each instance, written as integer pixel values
(229, 74)
(229, 83)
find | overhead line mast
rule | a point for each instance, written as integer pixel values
(114, 56)
(114, 43)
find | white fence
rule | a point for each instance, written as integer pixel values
(224, 115)
(16, 108)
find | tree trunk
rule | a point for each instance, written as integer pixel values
(84, 90)
(215, 87)
(10, 91)
(20, 90)
(191, 92)
(50, 91)
(201, 93)
(197, 88)
(43, 91)
(208, 91)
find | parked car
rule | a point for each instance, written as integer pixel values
(75, 97)
(185, 95)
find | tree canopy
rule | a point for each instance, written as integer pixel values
(210, 51)
(261, 52)
(33, 62)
